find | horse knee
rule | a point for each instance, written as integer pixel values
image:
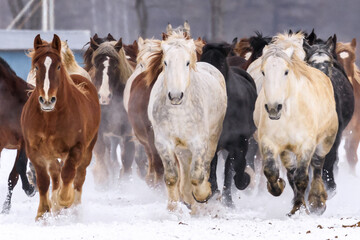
(171, 179)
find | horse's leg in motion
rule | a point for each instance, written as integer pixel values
(351, 146)
(228, 176)
(241, 178)
(68, 171)
(275, 184)
(54, 170)
(127, 154)
(21, 166)
(140, 159)
(171, 174)
(100, 170)
(251, 157)
(81, 172)
(114, 142)
(43, 182)
(12, 180)
(317, 196)
(300, 179)
(157, 163)
(213, 177)
(200, 170)
(331, 161)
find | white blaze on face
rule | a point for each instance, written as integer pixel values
(344, 55)
(46, 87)
(104, 90)
(319, 58)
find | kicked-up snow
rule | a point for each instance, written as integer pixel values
(129, 209)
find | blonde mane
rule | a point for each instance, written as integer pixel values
(294, 40)
(107, 48)
(297, 65)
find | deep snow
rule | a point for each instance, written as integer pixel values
(131, 210)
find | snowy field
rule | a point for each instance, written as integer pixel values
(130, 210)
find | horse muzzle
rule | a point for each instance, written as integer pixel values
(176, 98)
(274, 111)
(47, 106)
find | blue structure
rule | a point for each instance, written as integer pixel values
(14, 45)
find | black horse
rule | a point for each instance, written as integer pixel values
(322, 55)
(13, 96)
(238, 126)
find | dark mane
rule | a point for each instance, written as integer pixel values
(89, 52)
(257, 44)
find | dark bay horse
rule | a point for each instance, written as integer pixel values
(13, 96)
(109, 72)
(238, 126)
(346, 54)
(59, 121)
(322, 56)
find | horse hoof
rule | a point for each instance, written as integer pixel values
(317, 210)
(30, 192)
(276, 189)
(6, 208)
(203, 201)
(242, 183)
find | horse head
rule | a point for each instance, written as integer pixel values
(346, 57)
(48, 71)
(276, 71)
(179, 57)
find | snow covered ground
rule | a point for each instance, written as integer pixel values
(131, 210)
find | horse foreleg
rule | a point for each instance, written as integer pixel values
(171, 174)
(351, 146)
(127, 154)
(21, 166)
(100, 170)
(275, 184)
(140, 159)
(317, 195)
(54, 170)
(12, 181)
(213, 177)
(68, 171)
(43, 182)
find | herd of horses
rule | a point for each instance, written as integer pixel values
(175, 106)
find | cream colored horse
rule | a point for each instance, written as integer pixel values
(68, 60)
(297, 122)
(186, 108)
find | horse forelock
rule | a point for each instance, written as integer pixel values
(294, 40)
(149, 46)
(155, 67)
(107, 49)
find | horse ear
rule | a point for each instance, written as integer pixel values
(140, 43)
(93, 44)
(169, 29)
(290, 32)
(110, 37)
(37, 42)
(234, 42)
(56, 43)
(353, 43)
(164, 36)
(186, 35)
(330, 44)
(311, 38)
(118, 45)
(289, 51)
(95, 36)
(187, 27)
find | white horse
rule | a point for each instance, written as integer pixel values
(296, 118)
(186, 108)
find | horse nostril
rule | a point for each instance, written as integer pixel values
(53, 100)
(181, 95)
(41, 99)
(279, 107)
(169, 95)
(266, 107)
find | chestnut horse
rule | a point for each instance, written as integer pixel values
(59, 121)
(13, 96)
(346, 57)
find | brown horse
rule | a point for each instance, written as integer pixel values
(13, 96)
(346, 56)
(59, 121)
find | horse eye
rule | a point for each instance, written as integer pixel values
(165, 63)
(58, 68)
(36, 68)
(286, 72)
(188, 63)
(262, 72)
